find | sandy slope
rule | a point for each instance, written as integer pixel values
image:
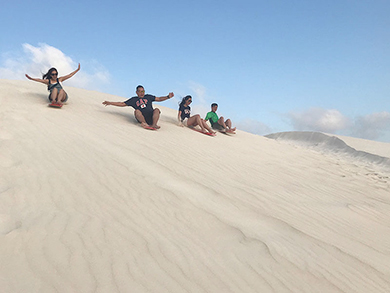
(377, 154)
(91, 202)
(374, 147)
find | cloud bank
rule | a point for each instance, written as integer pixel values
(372, 126)
(319, 119)
(36, 61)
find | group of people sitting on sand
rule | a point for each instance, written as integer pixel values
(142, 104)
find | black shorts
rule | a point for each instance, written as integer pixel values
(148, 117)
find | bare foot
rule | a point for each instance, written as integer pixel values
(144, 125)
(156, 126)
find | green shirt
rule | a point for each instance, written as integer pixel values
(212, 116)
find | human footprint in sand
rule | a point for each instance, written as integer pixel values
(185, 118)
(220, 123)
(51, 79)
(142, 103)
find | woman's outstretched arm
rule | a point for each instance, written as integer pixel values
(62, 78)
(45, 81)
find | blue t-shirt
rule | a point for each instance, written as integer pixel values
(143, 104)
(185, 112)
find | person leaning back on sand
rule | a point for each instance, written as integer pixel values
(143, 108)
(51, 79)
(218, 123)
(185, 118)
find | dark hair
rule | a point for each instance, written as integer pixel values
(48, 74)
(184, 100)
(138, 87)
(214, 104)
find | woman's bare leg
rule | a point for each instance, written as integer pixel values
(194, 121)
(61, 96)
(54, 95)
(205, 125)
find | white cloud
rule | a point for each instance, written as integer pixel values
(318, 119)
(199, 90)
(371, 126)
(35, 61)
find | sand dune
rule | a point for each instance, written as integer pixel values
(91, 202)
(335, 145)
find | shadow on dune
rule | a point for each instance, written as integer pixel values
(129, 117)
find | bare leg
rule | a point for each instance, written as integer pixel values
(194, 121)
(200, 123)
(54, 95)
(156, 116)
(61, 96)
(228, 123)
(205, 125)
(221, 121)
(141, 119)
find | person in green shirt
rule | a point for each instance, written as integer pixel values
(219, 123)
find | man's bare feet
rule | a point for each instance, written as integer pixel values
(156, 126)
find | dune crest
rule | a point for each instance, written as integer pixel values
(91, 202)
(332, 144)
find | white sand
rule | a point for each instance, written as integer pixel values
(374, 154)
(374, 147)
(91, 202)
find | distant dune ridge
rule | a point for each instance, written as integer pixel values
(91, 202)
(331, 143)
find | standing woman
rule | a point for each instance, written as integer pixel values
(51, 79)
(185, 118)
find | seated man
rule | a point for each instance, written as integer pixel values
(219, 123)
(144, 112)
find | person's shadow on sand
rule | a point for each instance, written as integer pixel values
(127, 116)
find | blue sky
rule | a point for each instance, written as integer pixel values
(270, 65)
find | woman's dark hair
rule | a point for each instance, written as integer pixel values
(48, 74)
(184, 100)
